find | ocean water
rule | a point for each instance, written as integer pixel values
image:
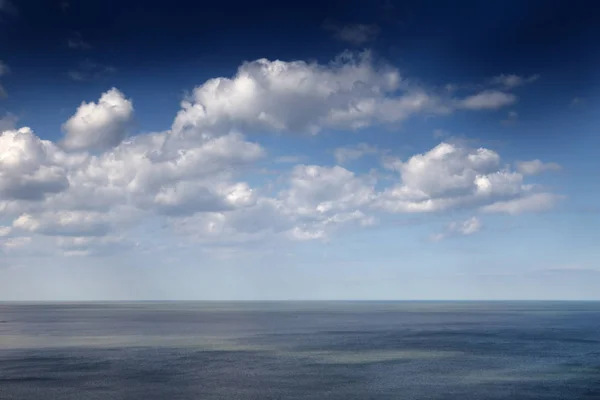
(300, 350)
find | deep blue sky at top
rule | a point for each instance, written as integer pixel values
(155, 52)
(161, 49)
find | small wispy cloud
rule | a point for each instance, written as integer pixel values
(459, 228)
(64, 6)
(89, 70)
(512, 81)
(8, 122)
(535, 167)
(7, 7)
(343, 155)
(76, 41)
(356, 34)
(577, 101)
(488, 100)
(4, 69)
(288, 159)
(511, 118)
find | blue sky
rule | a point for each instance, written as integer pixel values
(259, 150)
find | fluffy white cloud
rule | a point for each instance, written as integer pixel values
(318, 190)
(101, 125)
(196, 179)
(29, 169)
(535, 167)
(450, 176)
(352, 92)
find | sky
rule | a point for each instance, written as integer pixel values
(393, 150)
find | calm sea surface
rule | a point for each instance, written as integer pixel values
(305, 350)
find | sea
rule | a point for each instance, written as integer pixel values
(300, 350)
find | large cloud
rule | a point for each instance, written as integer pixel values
(196, 179)
(350, 93)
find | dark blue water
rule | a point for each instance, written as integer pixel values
(366, 350)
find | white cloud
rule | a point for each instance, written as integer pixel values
(488, 100)
(317, 190)
(101, 125)
(28, 170)
(195, 179)
(352, 92)
(535, 167)
(468, 227)
(356, 34)
(511, 81)
(65, 223)
(345, 154)
(463, 228)
(450, 176)
(14, 243)
(93, 245)
(534, 202)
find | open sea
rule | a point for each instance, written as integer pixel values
(300, 350)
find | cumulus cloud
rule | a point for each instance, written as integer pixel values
(101, 125)
(350, 93)
(535, 167)
(28, 167)
(85, 193)
(451, 176)
(356, 34)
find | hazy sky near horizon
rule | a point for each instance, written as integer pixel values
(273, 150)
